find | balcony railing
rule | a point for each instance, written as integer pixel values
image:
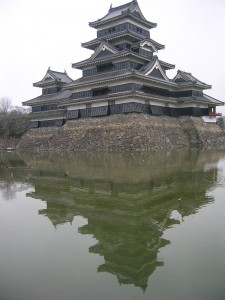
(214, 114)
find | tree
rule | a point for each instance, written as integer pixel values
(14, 121)
(5, 105)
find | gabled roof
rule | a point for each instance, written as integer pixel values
(104, 46)
(145, 44)
(53, 77)
(184, 78)
(156, 44)
(152, 66)
(131, 8)
(148, 42)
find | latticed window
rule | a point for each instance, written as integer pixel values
(104, 67)
(197, 93)
(52, 90)
(100, 91)
(44, 107)
(155, 91)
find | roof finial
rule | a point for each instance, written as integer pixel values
(49, 68)
(65, 71)
(110, 6)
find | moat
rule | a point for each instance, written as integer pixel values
(112, 226)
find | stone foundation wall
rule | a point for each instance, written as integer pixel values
(201, 134)
(127, 132)
(210, 134)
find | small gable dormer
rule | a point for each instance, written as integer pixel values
(144, 48)
(187, 78)
(47, 78)
(103, 50)
(148, 46)
(179, 79)
(53, 82)
(154, 69)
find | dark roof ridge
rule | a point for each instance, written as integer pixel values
(189, 73)
(62, 73)
(172, 66)
(121, 11)
(58, 71)
(194, 78)
(121, 6)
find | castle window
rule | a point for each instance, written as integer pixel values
(44, 108)
(104, 67)
(50, 91)
(100, 91)
(197, 93)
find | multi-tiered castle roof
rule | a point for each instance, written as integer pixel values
(123, 75)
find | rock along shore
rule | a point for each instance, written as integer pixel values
(128, 132)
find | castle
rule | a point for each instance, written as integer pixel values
(123, 75)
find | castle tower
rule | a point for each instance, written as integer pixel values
(125, 75)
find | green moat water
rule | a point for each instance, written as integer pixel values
(112, 226)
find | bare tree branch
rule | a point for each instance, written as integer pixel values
(14, 121)
(5, 105)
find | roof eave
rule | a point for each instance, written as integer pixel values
(41, 84)
(46, 83)
(166, 65)
(193, 85)
(99, 23)
(132, 73)
(126, 94)
(84, 63)
(97, 41)
(157, 45)
(203, 86)
(31, 102)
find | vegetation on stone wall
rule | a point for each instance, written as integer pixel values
(14, 120)
(221, 122)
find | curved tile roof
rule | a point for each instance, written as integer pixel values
(131, 8)
(51, 97)
(53, 77)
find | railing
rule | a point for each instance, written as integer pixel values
(214, 114)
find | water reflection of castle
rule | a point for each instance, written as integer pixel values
(127, 214)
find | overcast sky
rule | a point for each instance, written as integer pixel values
(38, 34)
